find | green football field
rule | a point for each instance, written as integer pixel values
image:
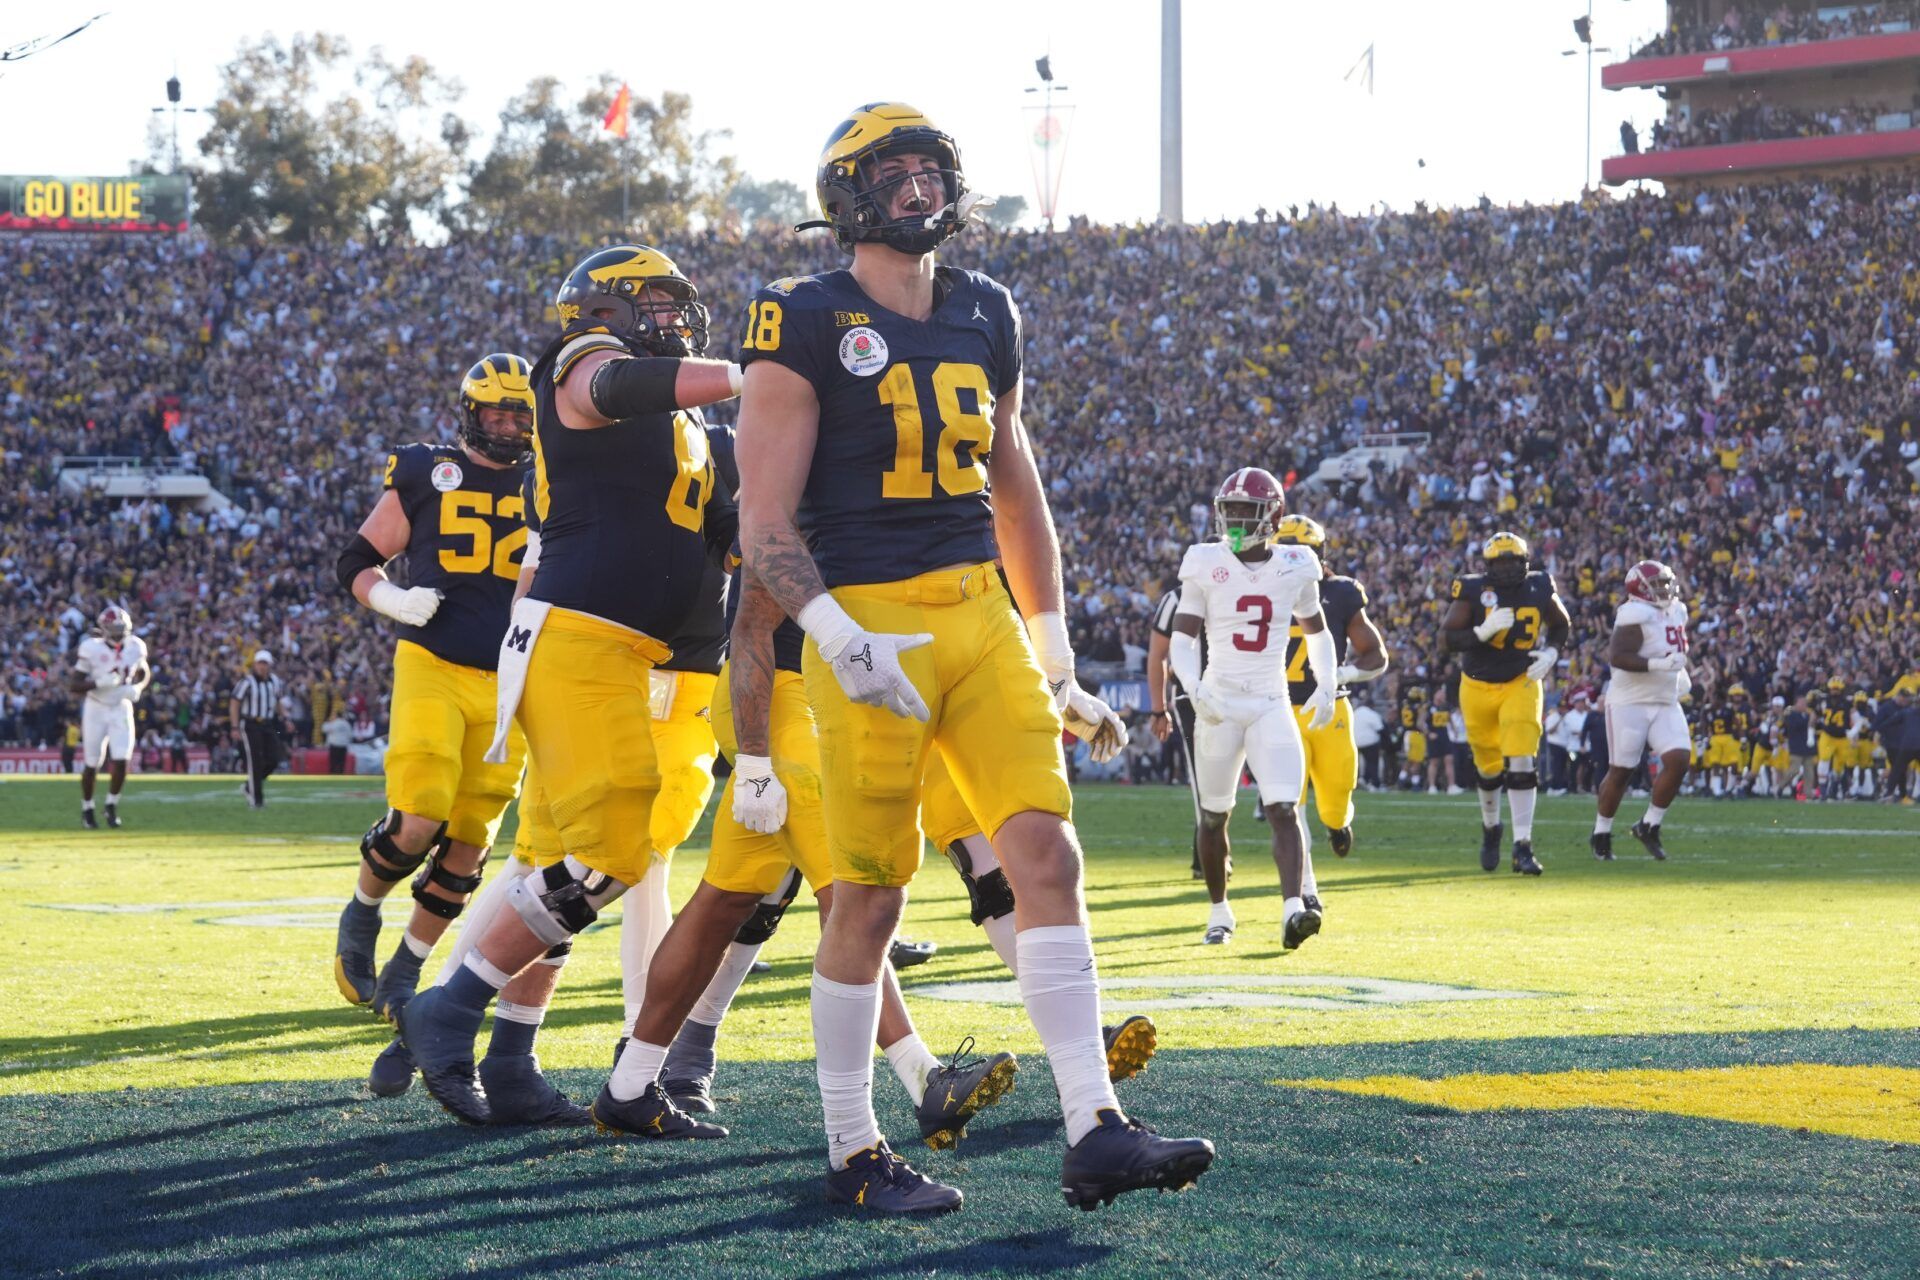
(1708, 1067)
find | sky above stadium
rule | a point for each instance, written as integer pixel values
(1466, 100)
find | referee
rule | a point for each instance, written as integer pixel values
(257, 723)
(1164, 691)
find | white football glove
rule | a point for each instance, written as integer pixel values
(1086, 716)
(410, 606)
(1541, 665)
(1668, 662)
(1205, 707)
(759, 801)
(1497, 620)
(1321, 707)
(866, 663)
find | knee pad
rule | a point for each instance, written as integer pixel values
(1488, 781)
(432, 872)
(562, 900)
(991, 895)
(379, 839)
(1522, 780)
(760, 926)
(1213, 821)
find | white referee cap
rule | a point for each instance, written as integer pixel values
(262, 655)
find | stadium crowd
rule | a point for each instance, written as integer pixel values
(1755, 26)
(1729, 382)
(1756, 121)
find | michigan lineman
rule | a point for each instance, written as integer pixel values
(627, 511)
(883, 469)
(1496, 623)
(110, 672)
(1648, 654)
(1245, 594)
(453, 518)
(1333, 766)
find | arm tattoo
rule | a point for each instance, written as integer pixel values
(750, 665)
(779, 559)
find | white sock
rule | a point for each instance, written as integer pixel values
(1490, 807)
(1222, 913)
(711, 1008)
(1521, 802)
(913, 1063)
(1001, 932)
(644, 920)
(421, 950)
(479, 915)
(1307, 883)
(1291, 908)
(1654, 814)
(362, 898)
(846, 1018)
(639, 1066)
(113, 798)
(87, 807)
(1062, 994)
(1602, 824)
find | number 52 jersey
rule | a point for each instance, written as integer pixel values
(898, 485)
(468, 531)
(1248, 611)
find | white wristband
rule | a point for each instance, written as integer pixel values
(384, 597)
(1050, 643)
(829, 625)
(735, 378)
(755, 766)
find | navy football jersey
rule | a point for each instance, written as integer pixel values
(626, 511)
(468, 531)
(701, 642)
(898, 485)
(1511, 650)
(1340, 600)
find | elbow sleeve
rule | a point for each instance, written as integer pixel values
(358, 557)
(630, 386)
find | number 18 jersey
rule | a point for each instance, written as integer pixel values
(898, 484)
(1247, 611)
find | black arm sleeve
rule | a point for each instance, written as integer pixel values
(632, 386)
(359, 556)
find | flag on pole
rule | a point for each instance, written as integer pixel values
(1364, 70)
(619, 112)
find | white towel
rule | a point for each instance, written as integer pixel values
(516, 651)
(661, 687)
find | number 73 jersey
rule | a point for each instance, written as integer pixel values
(468, 532)
(1248, 611)
(898, 485)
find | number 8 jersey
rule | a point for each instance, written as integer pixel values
(898, 485)
(468, 531)
(1248, 611)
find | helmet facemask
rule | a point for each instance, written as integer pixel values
(1243, 522)
(507, 448)
(1506, 571)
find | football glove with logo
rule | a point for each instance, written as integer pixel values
(1086, 716)
(866, 663)
(1321, 706)
(759, 801)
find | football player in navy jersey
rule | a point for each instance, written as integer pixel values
(439, 555)
(884, 469)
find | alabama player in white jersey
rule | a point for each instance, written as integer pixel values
(111, 671)
(1247, 594)
(1648, 654)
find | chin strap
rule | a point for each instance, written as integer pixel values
(959, 213)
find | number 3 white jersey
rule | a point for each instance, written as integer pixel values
(109, 666)
(1663, 632)
(1247, 610)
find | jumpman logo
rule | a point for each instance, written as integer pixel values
(864, 657)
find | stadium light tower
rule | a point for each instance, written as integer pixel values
(1170, 194)
(173, 105)
(1583, 31)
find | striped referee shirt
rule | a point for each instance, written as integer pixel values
(1163, 624)
(259, 699)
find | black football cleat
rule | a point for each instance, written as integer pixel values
(960, 1090)
(880, 1181)
(1312, 903)
(353, 945)
(1490, 846)
(392, 1073)
(443, 1053)
(1217, 935)
(651, 1115)
(399, 978)
(1130, 1046)
(1301, 925)
(1524, 863)
(1602, 844)
(1121, 1155)
(1341, 838)
(113, 816)
(1650, 837)
(517, 1093)
(88, 821)
(905, 955)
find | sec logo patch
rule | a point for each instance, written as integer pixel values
(1220, 574)
(863, 351)
(447, 476)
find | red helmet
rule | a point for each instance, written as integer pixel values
(1248, 507)
(1653, 582)
(114, 623)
